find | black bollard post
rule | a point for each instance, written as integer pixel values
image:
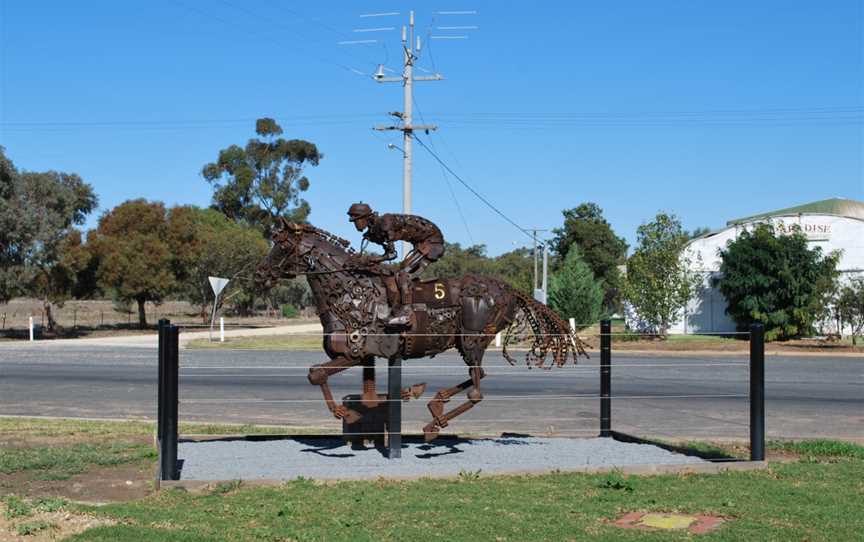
(160, 385)
(394, 408)
(168, 445)
(605, 378)
(757, 392)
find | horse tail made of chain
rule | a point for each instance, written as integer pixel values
(546, 332)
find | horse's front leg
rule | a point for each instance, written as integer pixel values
(369, 399)
(318, 376)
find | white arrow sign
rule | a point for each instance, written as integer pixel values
(218, 284)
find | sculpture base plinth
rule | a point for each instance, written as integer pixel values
(371, 429)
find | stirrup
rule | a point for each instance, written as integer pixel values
(399, 322)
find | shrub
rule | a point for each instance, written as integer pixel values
(659, 281)
(777, 280)
(574, 292)
(290, 311)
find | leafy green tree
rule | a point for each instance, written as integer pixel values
(850, 306)
(39, 211)
(135, 258)
(602, 250)
(777, 280)
(294, 293)
(458, 261)
(205, 243)
(262, 181)
(698, 232)
(64, 277)
(659, 282)
(515, 268)
(574, 292)
(11, 235)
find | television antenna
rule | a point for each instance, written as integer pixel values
(411, 48)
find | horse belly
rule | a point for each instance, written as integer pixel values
(434, 331)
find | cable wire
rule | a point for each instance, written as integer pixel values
(471, 189)
(447, 180)
(305, 51)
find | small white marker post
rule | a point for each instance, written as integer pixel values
(221, 329)
(498, 340)
(31, 329)
(573, 329)
(218, 284)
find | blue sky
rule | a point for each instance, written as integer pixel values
(711, 110)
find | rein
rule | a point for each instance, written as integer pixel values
(299, 257)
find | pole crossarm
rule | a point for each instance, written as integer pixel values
(435, 77)
(406, 128)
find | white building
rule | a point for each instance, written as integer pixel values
(832, 224)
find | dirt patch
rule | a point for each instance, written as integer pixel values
(97, 485)
(654, 521)
(42, 526)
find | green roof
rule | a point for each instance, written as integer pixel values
(834, 206)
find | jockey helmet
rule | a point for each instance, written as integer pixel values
(358, 211)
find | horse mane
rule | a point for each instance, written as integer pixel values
(329, 238)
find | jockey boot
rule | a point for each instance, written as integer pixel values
(401, 318)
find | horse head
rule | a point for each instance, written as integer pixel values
(284, 261)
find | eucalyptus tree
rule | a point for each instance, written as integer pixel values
(40, 249)
(263, 180)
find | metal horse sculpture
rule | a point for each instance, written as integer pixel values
(354, 306)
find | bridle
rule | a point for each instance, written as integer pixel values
(297, 256)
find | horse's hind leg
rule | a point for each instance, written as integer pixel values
(473, 357)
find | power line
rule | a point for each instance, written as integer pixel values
(447, 181)
(145, 125)
(854, 115)
(471, 189)
(758, 110)
(301, 16)
(305, 51)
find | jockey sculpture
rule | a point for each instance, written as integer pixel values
(425, 238)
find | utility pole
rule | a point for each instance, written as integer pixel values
(534, 232)
(411, 52)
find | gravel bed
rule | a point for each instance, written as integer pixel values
(318, 458)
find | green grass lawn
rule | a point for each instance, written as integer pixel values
(817, 495)
(102, 429)
(818, 498)
(62, 462)
(67, 447)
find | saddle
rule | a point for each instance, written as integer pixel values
(430, 293)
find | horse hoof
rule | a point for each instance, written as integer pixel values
(344, 413)
(417, 390)
(430, 432)
(352, 416)
(413, 392)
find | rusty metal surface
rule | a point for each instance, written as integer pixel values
(354, 297)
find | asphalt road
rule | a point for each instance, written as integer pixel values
(680, 396)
